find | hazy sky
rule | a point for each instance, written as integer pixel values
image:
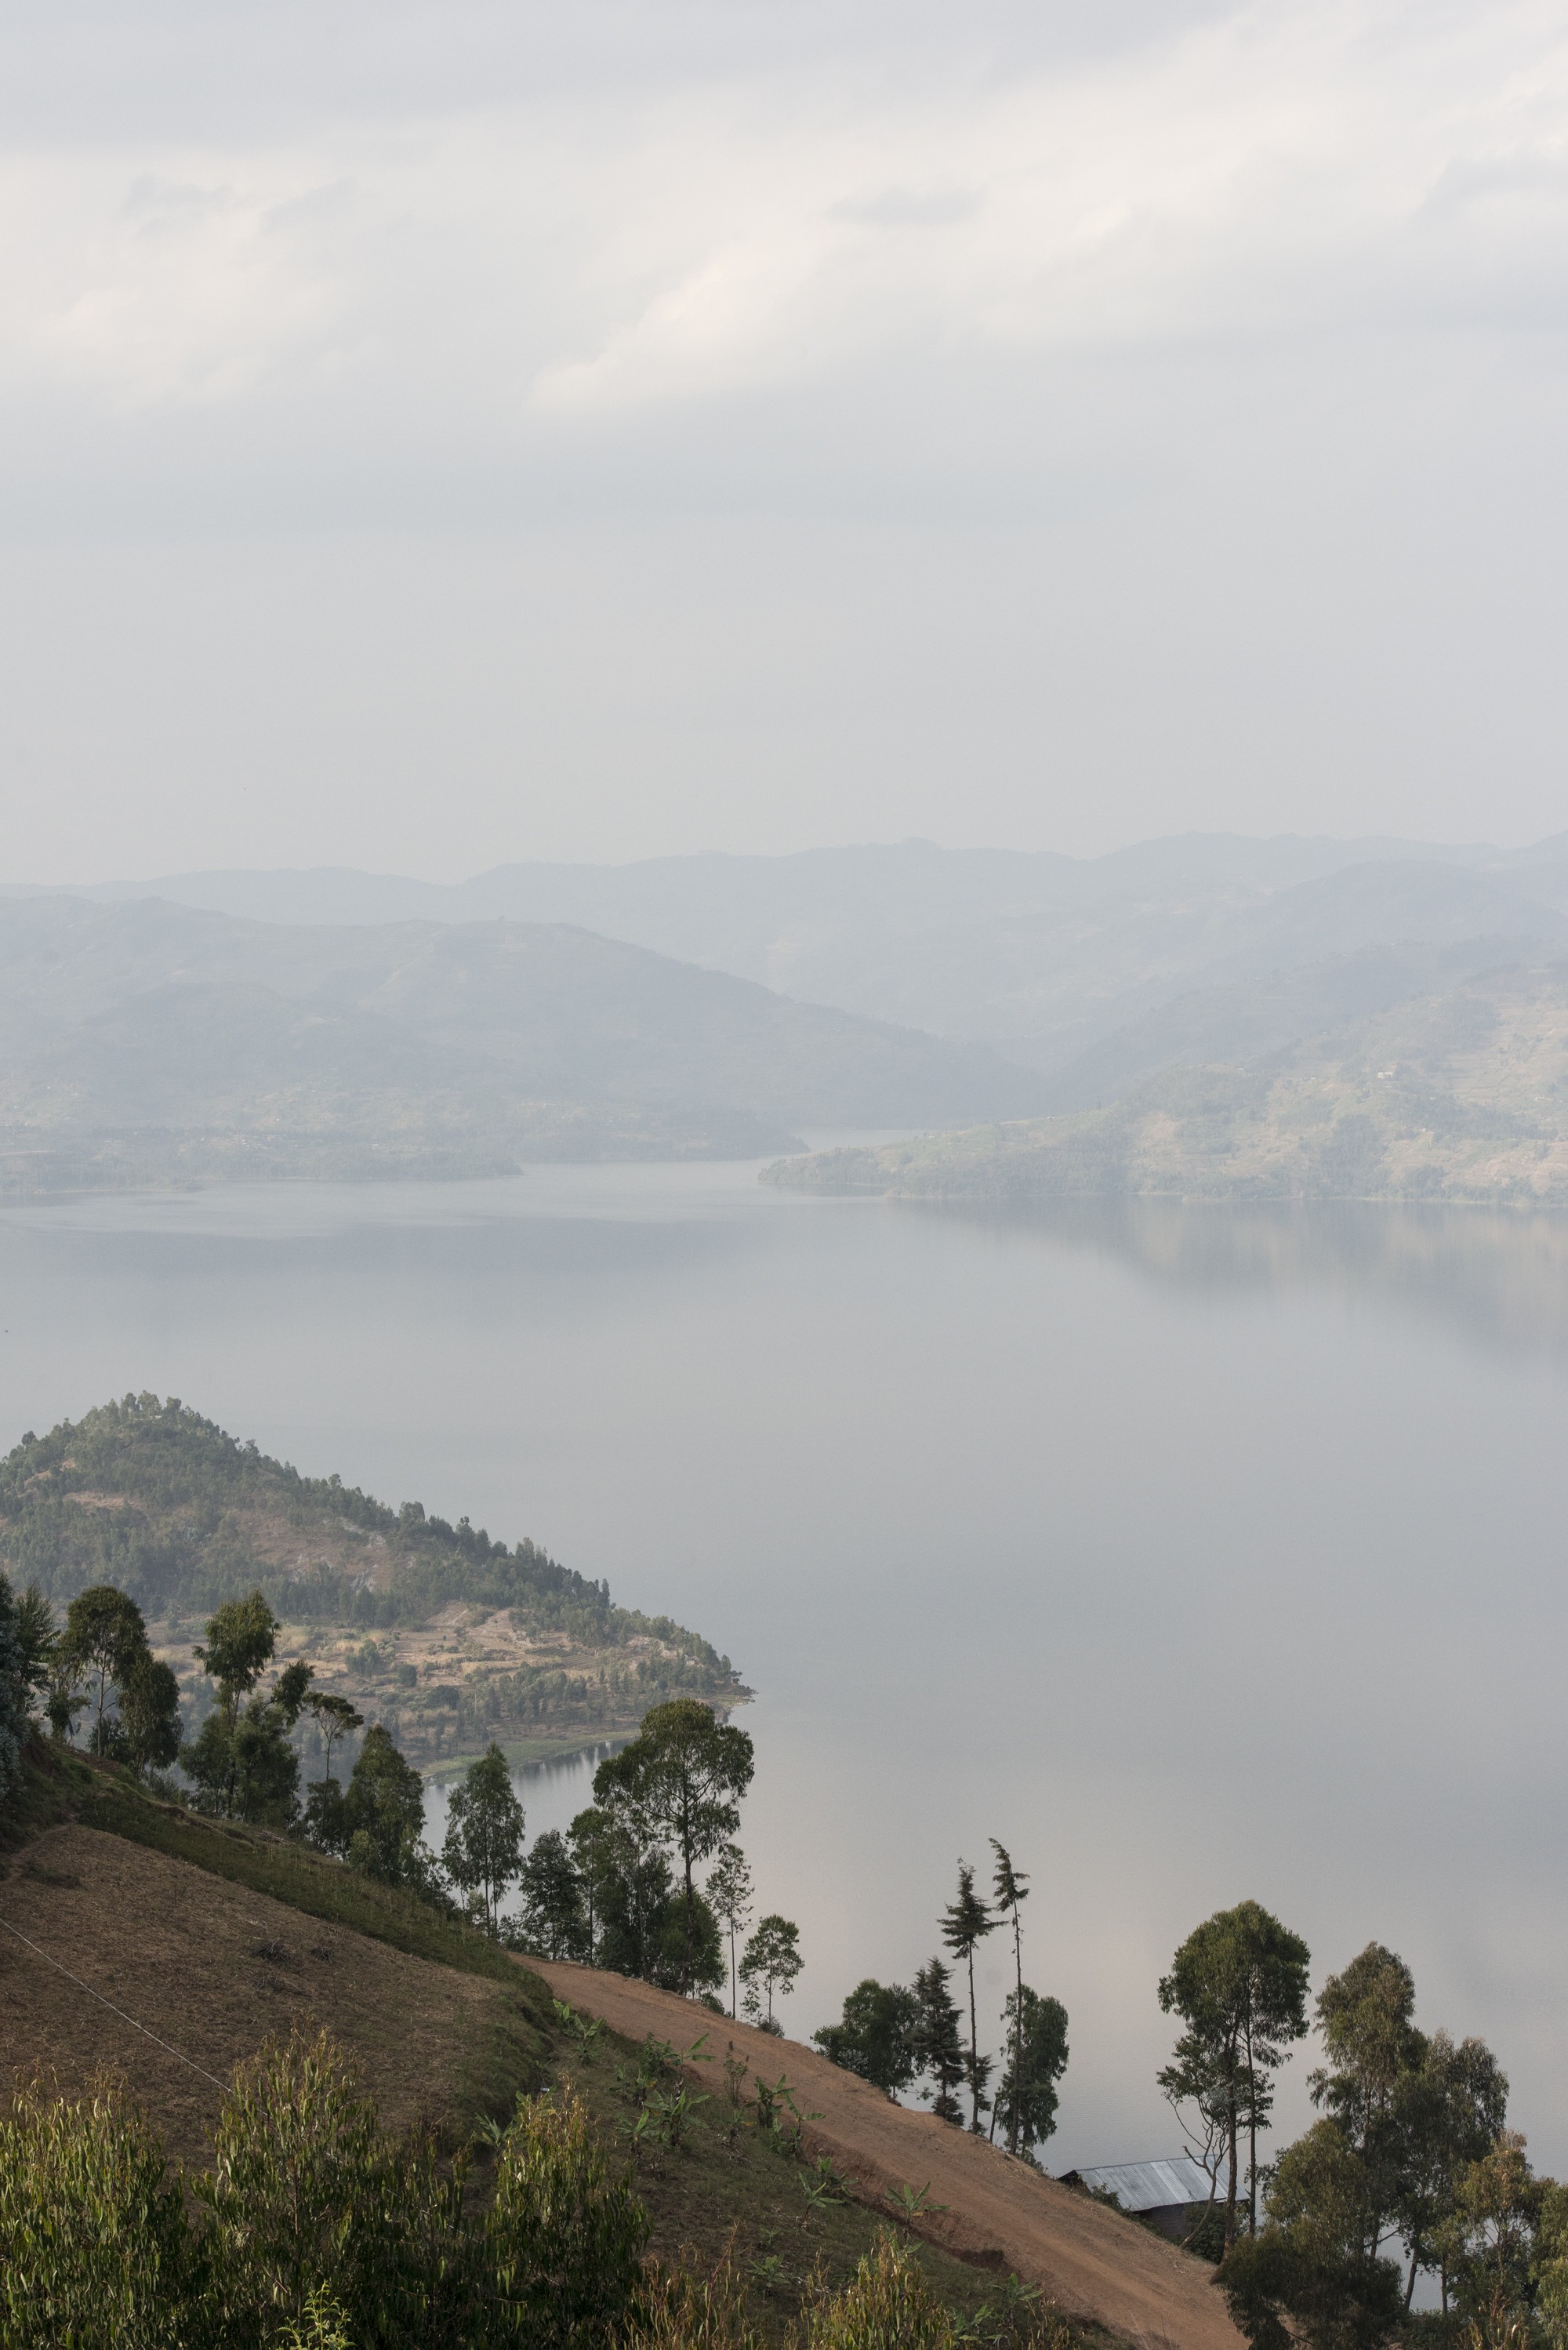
(430, 435)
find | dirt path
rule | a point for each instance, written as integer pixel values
(1097, 2264)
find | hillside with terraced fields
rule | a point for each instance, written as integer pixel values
(449, 1636)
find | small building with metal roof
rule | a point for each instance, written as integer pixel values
(1162, 2192)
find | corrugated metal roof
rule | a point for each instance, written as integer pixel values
(1149, 2186)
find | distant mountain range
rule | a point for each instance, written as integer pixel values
(1461, 1096)
(148, 1042)
(1090, 971)
(336, 1022)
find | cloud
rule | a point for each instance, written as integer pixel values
(749, 422)
(907, 208)
(1282, 171)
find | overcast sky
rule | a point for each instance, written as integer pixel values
(437, 434)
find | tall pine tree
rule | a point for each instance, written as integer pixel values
(938, 2038)
(1010, 1892)
(965, 1922)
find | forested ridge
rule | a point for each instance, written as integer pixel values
(451, 1634)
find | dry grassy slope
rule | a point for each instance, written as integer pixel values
(214, 1966)
(214, 1969)
(1097, 2265)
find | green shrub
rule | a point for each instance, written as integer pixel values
(308, 2197)
(564, 2237)
(681, 2311)
(321, 2328)
(888, 2304)
(95, 2252)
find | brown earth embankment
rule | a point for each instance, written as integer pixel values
(1094, 2262)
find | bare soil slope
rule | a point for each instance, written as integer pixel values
(1095, 2264)
(213, 1969)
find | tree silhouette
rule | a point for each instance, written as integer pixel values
(965, 1922)
(682, 1776)
(484, 1849)
(729, 1899)
(1010, 1892)
(770, 1964)
(938, 2040)
(1240, 1984)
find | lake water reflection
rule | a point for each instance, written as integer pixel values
(1194, 1554)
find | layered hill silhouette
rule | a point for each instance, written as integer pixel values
(1051, 959)
(147, 1041)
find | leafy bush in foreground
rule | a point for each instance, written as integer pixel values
(319, 2230)
(564, 2239)
(95, 2250)
(316, 2231)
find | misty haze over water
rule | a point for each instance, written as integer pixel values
(1195, 1554)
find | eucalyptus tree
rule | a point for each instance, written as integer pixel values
(242, 1637)
(590, 1841)
(482, 1853)
(1240, 1984)
(1448, 2114)
(635, 1923)
(382, 1816)
(104, 1640)
(770, 1966)
(1366, 2018)
(149, 1720)
(241, 1758)
(682, 1779)
(729, 1899)
(1010, 1891)
(965, 1923)
(333, 1717)
(555, 1920)
(1416, 2112)
(1308, 2276)
(1037, 2058)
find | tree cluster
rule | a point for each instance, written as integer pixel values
(621, 1888)
(896, 2036)
(1411, 2157)
(28, 1650)
(99, 1664)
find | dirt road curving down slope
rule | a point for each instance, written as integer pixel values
(1094, 2263)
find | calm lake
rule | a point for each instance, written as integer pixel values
(1194, 1554)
